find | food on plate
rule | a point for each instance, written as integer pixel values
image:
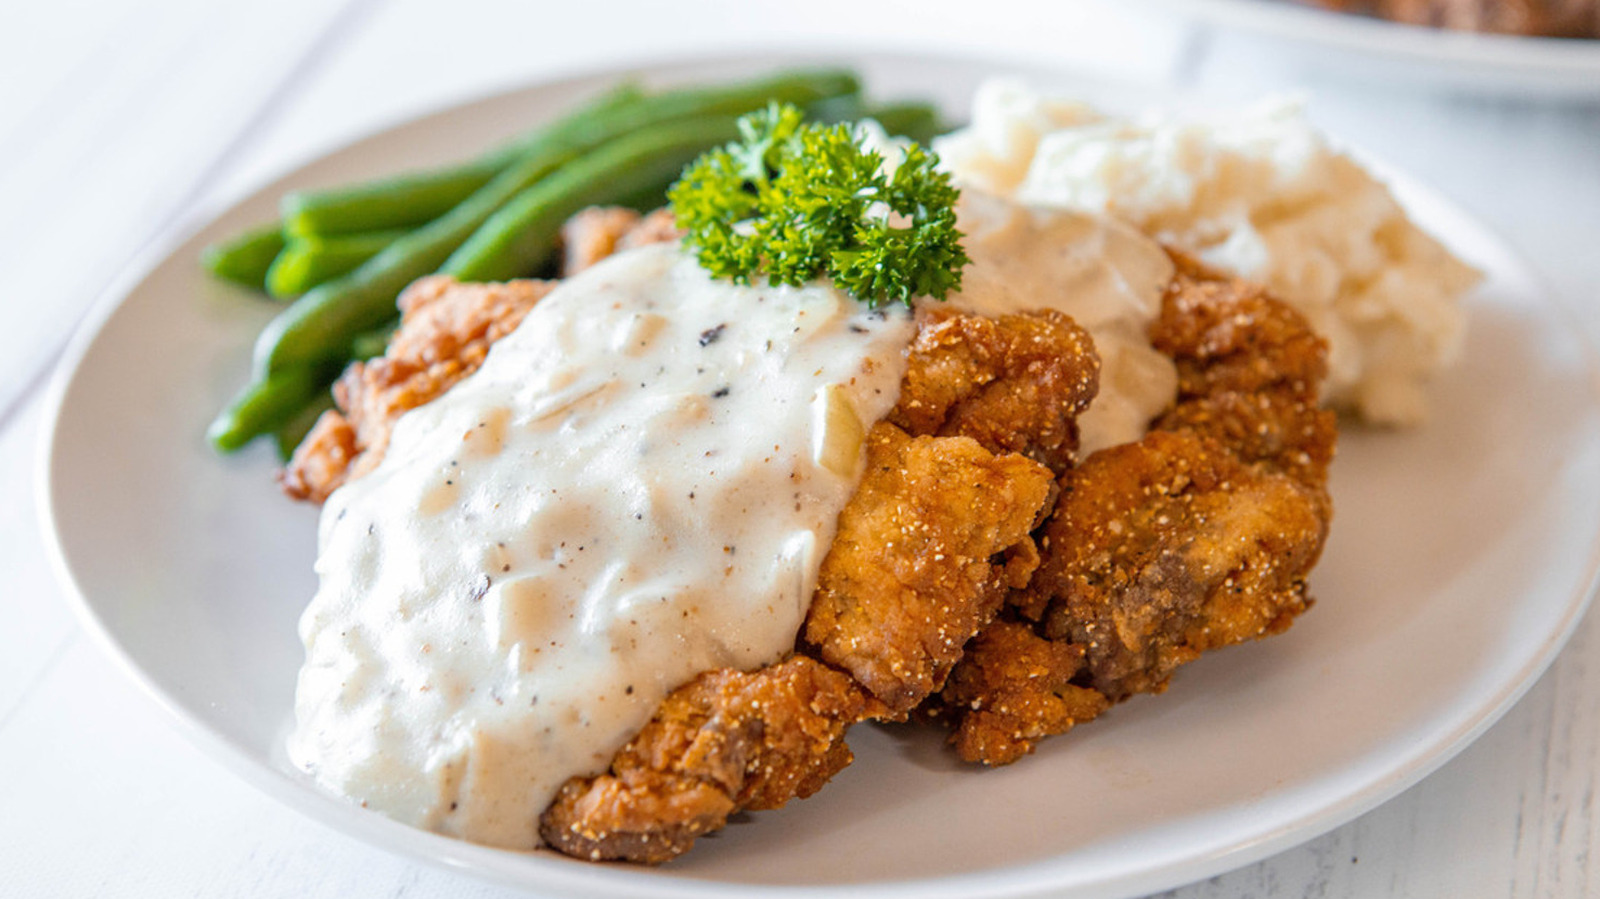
(1196, 536)
(1259, 194)
(1535, 18)
(624, 545)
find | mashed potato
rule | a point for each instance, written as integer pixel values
(1257, 193)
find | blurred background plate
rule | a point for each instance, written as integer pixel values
(1367, 49)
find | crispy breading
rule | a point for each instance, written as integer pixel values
(724, 742)
(1014, 384)
(599, 231)
(446, 328)
(910, 576)
(1014, 688)
(1198, 536)
(937, 529)
(1164, 548)
(592, 235)
(1249, 373)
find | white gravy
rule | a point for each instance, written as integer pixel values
(637, 486)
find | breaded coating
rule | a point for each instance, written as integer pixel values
(1164, 548)
(599, 231)
(592, 235)
(724, 742)
(657, 226)
(445, 331)
(1014, 384)
(1249, 373)
(1014, 688)
(911, 575)
(1198, 536)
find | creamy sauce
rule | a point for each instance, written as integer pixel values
(1107, 276)
(637, 486)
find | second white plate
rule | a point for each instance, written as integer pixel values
(1377, 51)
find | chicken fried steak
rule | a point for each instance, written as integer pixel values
(934, 539)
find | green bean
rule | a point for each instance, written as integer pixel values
(414, 198)
(522, 235)
(299, 424)
(306, 262)
(912, 119)
(263, 406)
(373, 343)
(320, 325)
(246, 258)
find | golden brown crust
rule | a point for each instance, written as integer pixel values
(1014, 384)
(1167, 547)
(724, 742)
(1198, 536)
(911, 576)
(1013, 689)
(592, 235)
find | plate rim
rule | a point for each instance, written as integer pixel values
(450, 854)
(1566, 60)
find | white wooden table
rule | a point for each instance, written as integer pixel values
(119, 121)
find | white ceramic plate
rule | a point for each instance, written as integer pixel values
(1462, 555)
(1375, 50)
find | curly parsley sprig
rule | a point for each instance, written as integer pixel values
(796, 201)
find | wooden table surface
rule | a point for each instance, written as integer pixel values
(123, 121)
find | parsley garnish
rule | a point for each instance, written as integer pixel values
(795, 201)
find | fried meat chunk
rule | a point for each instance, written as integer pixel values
(599, 231)
(1198, 536)
(1015, 687)
(1014, 384)
(446, 329)
(1249, 373)
(1164, 548)
(726, 741)
(934, 539)
(913, 573)
(938, 527)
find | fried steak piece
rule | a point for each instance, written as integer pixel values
(724, 742)
(1198, 536)
(933, 540)
(599, 231)
(446, 328)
